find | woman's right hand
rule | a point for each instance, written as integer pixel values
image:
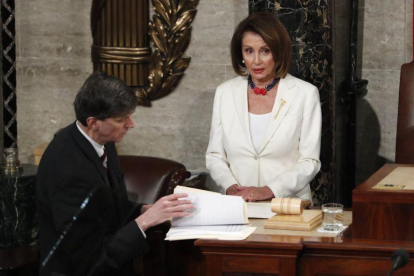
(232, 190)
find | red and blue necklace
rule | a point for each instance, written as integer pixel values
(261, 91)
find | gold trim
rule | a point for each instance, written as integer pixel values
(139, 51)
(123, 55)
(120, 27)
(104, 59)
(170, 33)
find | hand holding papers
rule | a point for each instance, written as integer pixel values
(212, 209)
(214, 216)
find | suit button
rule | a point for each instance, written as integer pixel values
(255, 157)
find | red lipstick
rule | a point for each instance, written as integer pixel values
(258, 71)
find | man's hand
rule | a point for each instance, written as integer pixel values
(145, 207)
(164, 209)
(254, 193)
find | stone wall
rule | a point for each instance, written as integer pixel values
(54, 42)
(385, 34)
(53, 60)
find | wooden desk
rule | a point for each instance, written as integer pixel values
(270, 252)
(266, 251)
(383, 214)
(276, 252)
(19, 261)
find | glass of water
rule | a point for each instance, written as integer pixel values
(332, 216)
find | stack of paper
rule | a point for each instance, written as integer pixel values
(259, 210)
(214, 216)
(220, 232)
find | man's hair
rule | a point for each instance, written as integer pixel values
(102, 97)
(274, 34)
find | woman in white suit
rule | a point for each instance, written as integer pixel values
(266, 127)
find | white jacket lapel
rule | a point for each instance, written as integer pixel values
(239, 90)
(285, 95)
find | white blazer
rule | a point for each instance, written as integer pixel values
(289, 156)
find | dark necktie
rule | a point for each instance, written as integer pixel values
(103, 157)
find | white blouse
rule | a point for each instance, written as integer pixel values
(258, 127)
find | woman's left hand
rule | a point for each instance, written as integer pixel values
(254, 193)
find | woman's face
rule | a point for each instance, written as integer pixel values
(258, 58)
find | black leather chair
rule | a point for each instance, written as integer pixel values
(150, 178)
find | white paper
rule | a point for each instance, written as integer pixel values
(213, 209)
(215, 229)
(188, 190)
(234, 232)
(321, 230)
(259, 210)
(214, 216)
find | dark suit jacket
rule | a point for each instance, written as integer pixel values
(84, 211)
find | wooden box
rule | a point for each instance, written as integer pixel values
(382, 214)
(307, 221)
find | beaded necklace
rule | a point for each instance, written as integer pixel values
(261, 91)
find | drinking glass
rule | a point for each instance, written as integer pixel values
(332, 216)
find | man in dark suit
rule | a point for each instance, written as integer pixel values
(86, 224)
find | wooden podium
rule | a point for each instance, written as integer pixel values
(383, 214)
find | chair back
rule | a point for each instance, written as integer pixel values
(404, 153)
(150, 178)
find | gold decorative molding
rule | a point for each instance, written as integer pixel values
(120, 54)
(122, 31)
(121, 44)
(170, 33)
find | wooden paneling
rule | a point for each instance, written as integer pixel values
(383, 214)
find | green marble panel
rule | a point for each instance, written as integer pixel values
(18, 219)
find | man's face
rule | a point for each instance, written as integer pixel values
(114, 129)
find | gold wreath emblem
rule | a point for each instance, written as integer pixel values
(170, 34)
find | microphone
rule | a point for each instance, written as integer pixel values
(399, 258)
(67, 229)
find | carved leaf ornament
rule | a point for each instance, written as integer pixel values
(170, 33)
